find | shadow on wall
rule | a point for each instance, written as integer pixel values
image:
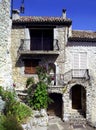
(78, 97)
(55, 108)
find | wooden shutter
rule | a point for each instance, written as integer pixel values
(34, 64)
(27, 67)
(30, 66)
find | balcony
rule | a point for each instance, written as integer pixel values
(59, 80)
(39, 48)
(80, 73)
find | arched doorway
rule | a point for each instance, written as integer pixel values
(55, 108)
(79, 98)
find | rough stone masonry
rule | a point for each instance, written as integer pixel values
(5, 42)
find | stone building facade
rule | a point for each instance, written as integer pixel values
(71, 55)
(5, 43)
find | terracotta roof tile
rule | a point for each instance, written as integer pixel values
(34, 19)
(84, 36)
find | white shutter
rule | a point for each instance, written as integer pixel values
(55, 46)
(82, 64)
(26, 39)
(76, 61)
(79, 64)
(83, 60)
(75, 64)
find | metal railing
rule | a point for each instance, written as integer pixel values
(62, 79)
(80, 73)
(26, 45)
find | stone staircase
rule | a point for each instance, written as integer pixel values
(78, 118)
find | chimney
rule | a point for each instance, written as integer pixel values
(15, 14)
(64, 13)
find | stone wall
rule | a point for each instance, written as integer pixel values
(17, 64)
(19, 33)
(90, 85)
(5, 43)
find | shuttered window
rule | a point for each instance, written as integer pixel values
(79, 64)
(41, 39)
(30, 66)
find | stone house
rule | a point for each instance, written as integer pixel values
(71, 55)
(27, 42)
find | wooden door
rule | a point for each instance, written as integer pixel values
(76, 97)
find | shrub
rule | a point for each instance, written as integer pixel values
(20, 110)
(1, 90)
(30, 93)
(9, 123)
(40, 98)
(2, 122)
(14, 107)
(30, 81)
(7, 95)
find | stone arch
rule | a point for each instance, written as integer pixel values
(78, 97)
(55, 108)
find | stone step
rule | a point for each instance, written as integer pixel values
(78, 121)
(78, 118)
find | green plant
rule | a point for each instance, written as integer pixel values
(30, 92)
(9, 123)
(30, 81)
(1, 90)
(41, 72)
(2, 117)
(10, 99)
(14, 107)
(21, 111)
(7, 95)
(40, 98)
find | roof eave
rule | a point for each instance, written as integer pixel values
(79, 39)
(52, 23)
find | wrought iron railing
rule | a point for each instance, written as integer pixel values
(80, 73)
(62, 79)
(26, 45)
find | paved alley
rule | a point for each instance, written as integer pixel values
(57, 124)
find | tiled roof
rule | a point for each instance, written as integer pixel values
(34, 19)
(84, 36)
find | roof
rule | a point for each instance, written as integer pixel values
(82, 36)
(42, 20)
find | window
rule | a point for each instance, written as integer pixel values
(30, 66)
(41, 39)
(79, 64)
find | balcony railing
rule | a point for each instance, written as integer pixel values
(62, 79)
(80, 73)
(26, 46)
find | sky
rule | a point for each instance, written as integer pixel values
(81, 12)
